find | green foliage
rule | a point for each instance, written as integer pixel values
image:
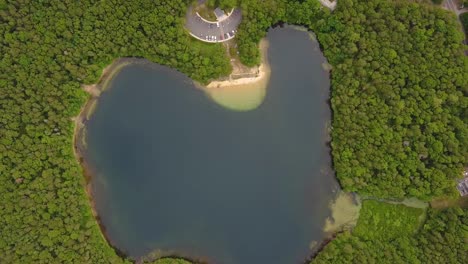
(399, 89)
(169, 261)
(209, 3)
(437, 2)
(464, 20)
(398, 84)
(258, 16)
(380, 220)
(48, 49)
(399, 81)
(442, 239)
(227, 4)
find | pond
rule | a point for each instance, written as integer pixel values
(175, 172)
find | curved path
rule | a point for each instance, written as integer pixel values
(454, 6)
(213, 32)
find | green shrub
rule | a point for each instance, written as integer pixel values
(380, 220)
(442, 239)
(464, 20)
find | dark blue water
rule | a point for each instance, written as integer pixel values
(178, 173)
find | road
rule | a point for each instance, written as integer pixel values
(453, 5)
(205, 30)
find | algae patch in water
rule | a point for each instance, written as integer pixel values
(344, 212)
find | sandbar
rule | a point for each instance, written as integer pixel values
(242, 93)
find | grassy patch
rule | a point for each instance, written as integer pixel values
(206, 12)
(387, 221)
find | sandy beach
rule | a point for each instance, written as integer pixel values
(244, 93)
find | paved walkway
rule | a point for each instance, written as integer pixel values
(213, 31)
(453, 5)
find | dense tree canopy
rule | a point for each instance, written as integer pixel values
(399, 98)
(399, 87)
(440, 239)
(48, 49)
(258, 16)
(226, 5)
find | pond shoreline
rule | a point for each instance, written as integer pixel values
(95, 90)
(261, 72)
(79, 146)
(79, 135)
(244, 89)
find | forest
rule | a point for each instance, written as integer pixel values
(50, 48)
(399, 84)
(464, 20)
(440, 238)
(398, 98)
